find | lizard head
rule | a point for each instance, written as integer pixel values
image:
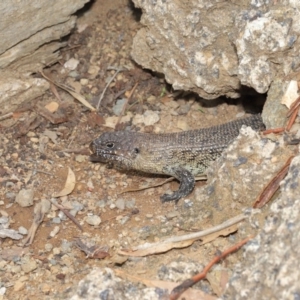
(116, 148)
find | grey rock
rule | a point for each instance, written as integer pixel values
(25, 197)
(130, 203)
(274, 113)
(120, 204)
(56, 220)
(28, 265)
(104, 284)
(93, 220)
(117, 108)
(10, 233)
(213, 48)
(22, 230)
(270, 269)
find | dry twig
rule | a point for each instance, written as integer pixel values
(268, 192)
(67, 214)
(176, 292)
(118, 70)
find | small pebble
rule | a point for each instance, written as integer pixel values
(120, 204)
(71, 64)
(18, 286)
(25, 197)
(29, 266)
(93, 220)
(22, 230)
(118, 107)
(80, 158)
(123, 220)
(54, 232)
(101, 203)
(84, 81)
(62, 216)
(130, 203)
(48, 247)
(2, 290)
(56, 220)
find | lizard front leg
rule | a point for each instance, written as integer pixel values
(187, 183)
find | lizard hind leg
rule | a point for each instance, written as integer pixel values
(187, 183)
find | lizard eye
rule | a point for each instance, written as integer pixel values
(110, 145)
(136, 150)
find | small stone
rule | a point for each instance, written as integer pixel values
(29, 266)
(93, 220)
(172, 214)
(183, 109)
(150, 117)
(10, 195)
(45, 288)
(80, 158)
(56, 251)
(3, 263)
(101, 203)
(52, 106)
(14, 156)
(34, 140)
(149, 216)
(2, 290)
(56, 220)
(48, 247)
(18, 286)
(62, 216)
(112, 206)
(182, 125)
(84, 81)
(117, 108)
(130, 203)
(30, 133)
(22, 230)
(71, 64)
(25, 197)
(93, 71)
(54, 232)
(120, 204)
(123, 220)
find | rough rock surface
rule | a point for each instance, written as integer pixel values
(270, 269)
(213, 47)
(30, 37)
(26, 26)
(104, 284)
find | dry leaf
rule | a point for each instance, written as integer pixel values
(206, 236)
(77, 96)
(69, 185)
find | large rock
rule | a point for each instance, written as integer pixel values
(213, 47)
(30, 33)
(270, 269)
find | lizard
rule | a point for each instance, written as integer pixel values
(182, 155)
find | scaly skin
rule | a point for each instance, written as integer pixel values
(182, 155)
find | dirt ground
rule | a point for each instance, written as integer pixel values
(38, 147)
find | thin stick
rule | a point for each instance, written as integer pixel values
(67, 214)
(177, 291)
(125, 104)
(107, 85)
(266, 195)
